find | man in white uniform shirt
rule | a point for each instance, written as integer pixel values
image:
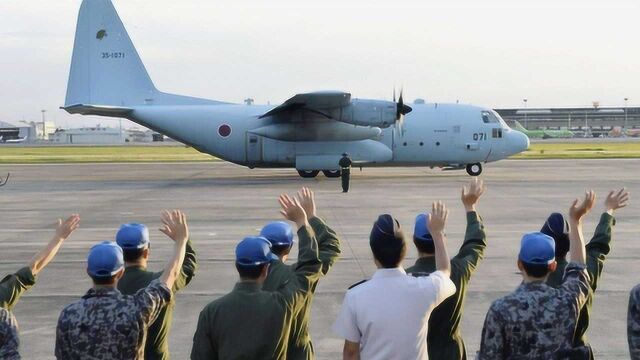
(387, 317)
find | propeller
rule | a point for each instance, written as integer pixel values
(401, 110)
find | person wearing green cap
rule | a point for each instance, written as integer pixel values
(134, 241)
(281, 238)
(248, 322)
(13, 286)
(105, 324)
(444, 340)
(597, 250)
(538, 321)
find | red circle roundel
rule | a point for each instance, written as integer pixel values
(224, 130)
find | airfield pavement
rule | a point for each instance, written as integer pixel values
(225, 202)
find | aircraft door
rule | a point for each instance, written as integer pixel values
(253, 148)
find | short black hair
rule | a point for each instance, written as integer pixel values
(280, 250)
(536, 270)
(132, 255)
(251, 272)
(102, 280)
(390, 253)
(426, 247)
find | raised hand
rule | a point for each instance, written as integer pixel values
(579, 209)
(471, 193)
(308, 201)
(616, 200)
(292, 210)
(437, 220)
(64, 229)
(175, 225)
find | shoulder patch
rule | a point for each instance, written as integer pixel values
(358, 283)
(419, 274)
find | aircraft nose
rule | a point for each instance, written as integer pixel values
(518, 142)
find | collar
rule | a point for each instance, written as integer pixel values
(101, 292)
(135, 268)
(389, 273)
(429, 262)
(532, 286)
(247, 286)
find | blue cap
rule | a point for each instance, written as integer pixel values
(386, 232)
(420, 230)
(537, 248)
(133, 236)
(278, 233)
(105, 260)
(558, 228)
(254, 251)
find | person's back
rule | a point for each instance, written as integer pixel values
(444, 339)
(9, 342)
(106, 324)
(134, 241)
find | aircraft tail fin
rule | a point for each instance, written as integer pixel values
(518, 126)
(106, 68)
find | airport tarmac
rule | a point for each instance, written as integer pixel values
(225, 202)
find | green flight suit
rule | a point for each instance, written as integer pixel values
(597, 250)
(444, 340)
(250, 323)
(300, 346)
(138, 277)
(14, 285)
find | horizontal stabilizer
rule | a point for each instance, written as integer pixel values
(102, 110)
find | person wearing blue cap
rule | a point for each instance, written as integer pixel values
(444, 340)
(134, 241)
(248, 322)
(105, 324)
(280, 235)
(13, 286)
(538, 321)
(597, 250)
(387, 317)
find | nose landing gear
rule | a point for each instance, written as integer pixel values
(474, 169)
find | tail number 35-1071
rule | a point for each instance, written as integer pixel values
(479, 136)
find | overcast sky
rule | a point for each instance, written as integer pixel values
(492, 53)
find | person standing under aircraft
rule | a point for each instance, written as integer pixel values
(248, 322)
(134, 241)
(13, 286)
(345, 174)
(444, 340)
(597, 249)
(538, 321)
(106, 324)
(387, 317)
(280, 236)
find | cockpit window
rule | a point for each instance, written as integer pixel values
(489, 117)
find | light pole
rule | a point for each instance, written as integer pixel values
(625, 112)
(525, 113)
(44, 126)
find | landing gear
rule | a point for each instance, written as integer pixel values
(332, 173)
(308, 173)
(474, 169)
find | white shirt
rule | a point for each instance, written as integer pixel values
(389, 314)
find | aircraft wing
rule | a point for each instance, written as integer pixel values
(317, 102)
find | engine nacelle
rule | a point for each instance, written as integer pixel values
(378, 113)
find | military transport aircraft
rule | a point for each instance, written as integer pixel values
(308, 132)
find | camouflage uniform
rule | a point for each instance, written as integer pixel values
(444, 340)
(597, 250)
(138, 277)
(105, 324)
(9, 342)
(536, 321)
(633, 323)
(11, 288)
(300, 346)
(249, 323)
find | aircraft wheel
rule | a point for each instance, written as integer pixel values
(332, 173)
(308, 173)
(474, 169)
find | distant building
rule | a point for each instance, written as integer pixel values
(88, 135)
(139, 136)
(15, 132)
